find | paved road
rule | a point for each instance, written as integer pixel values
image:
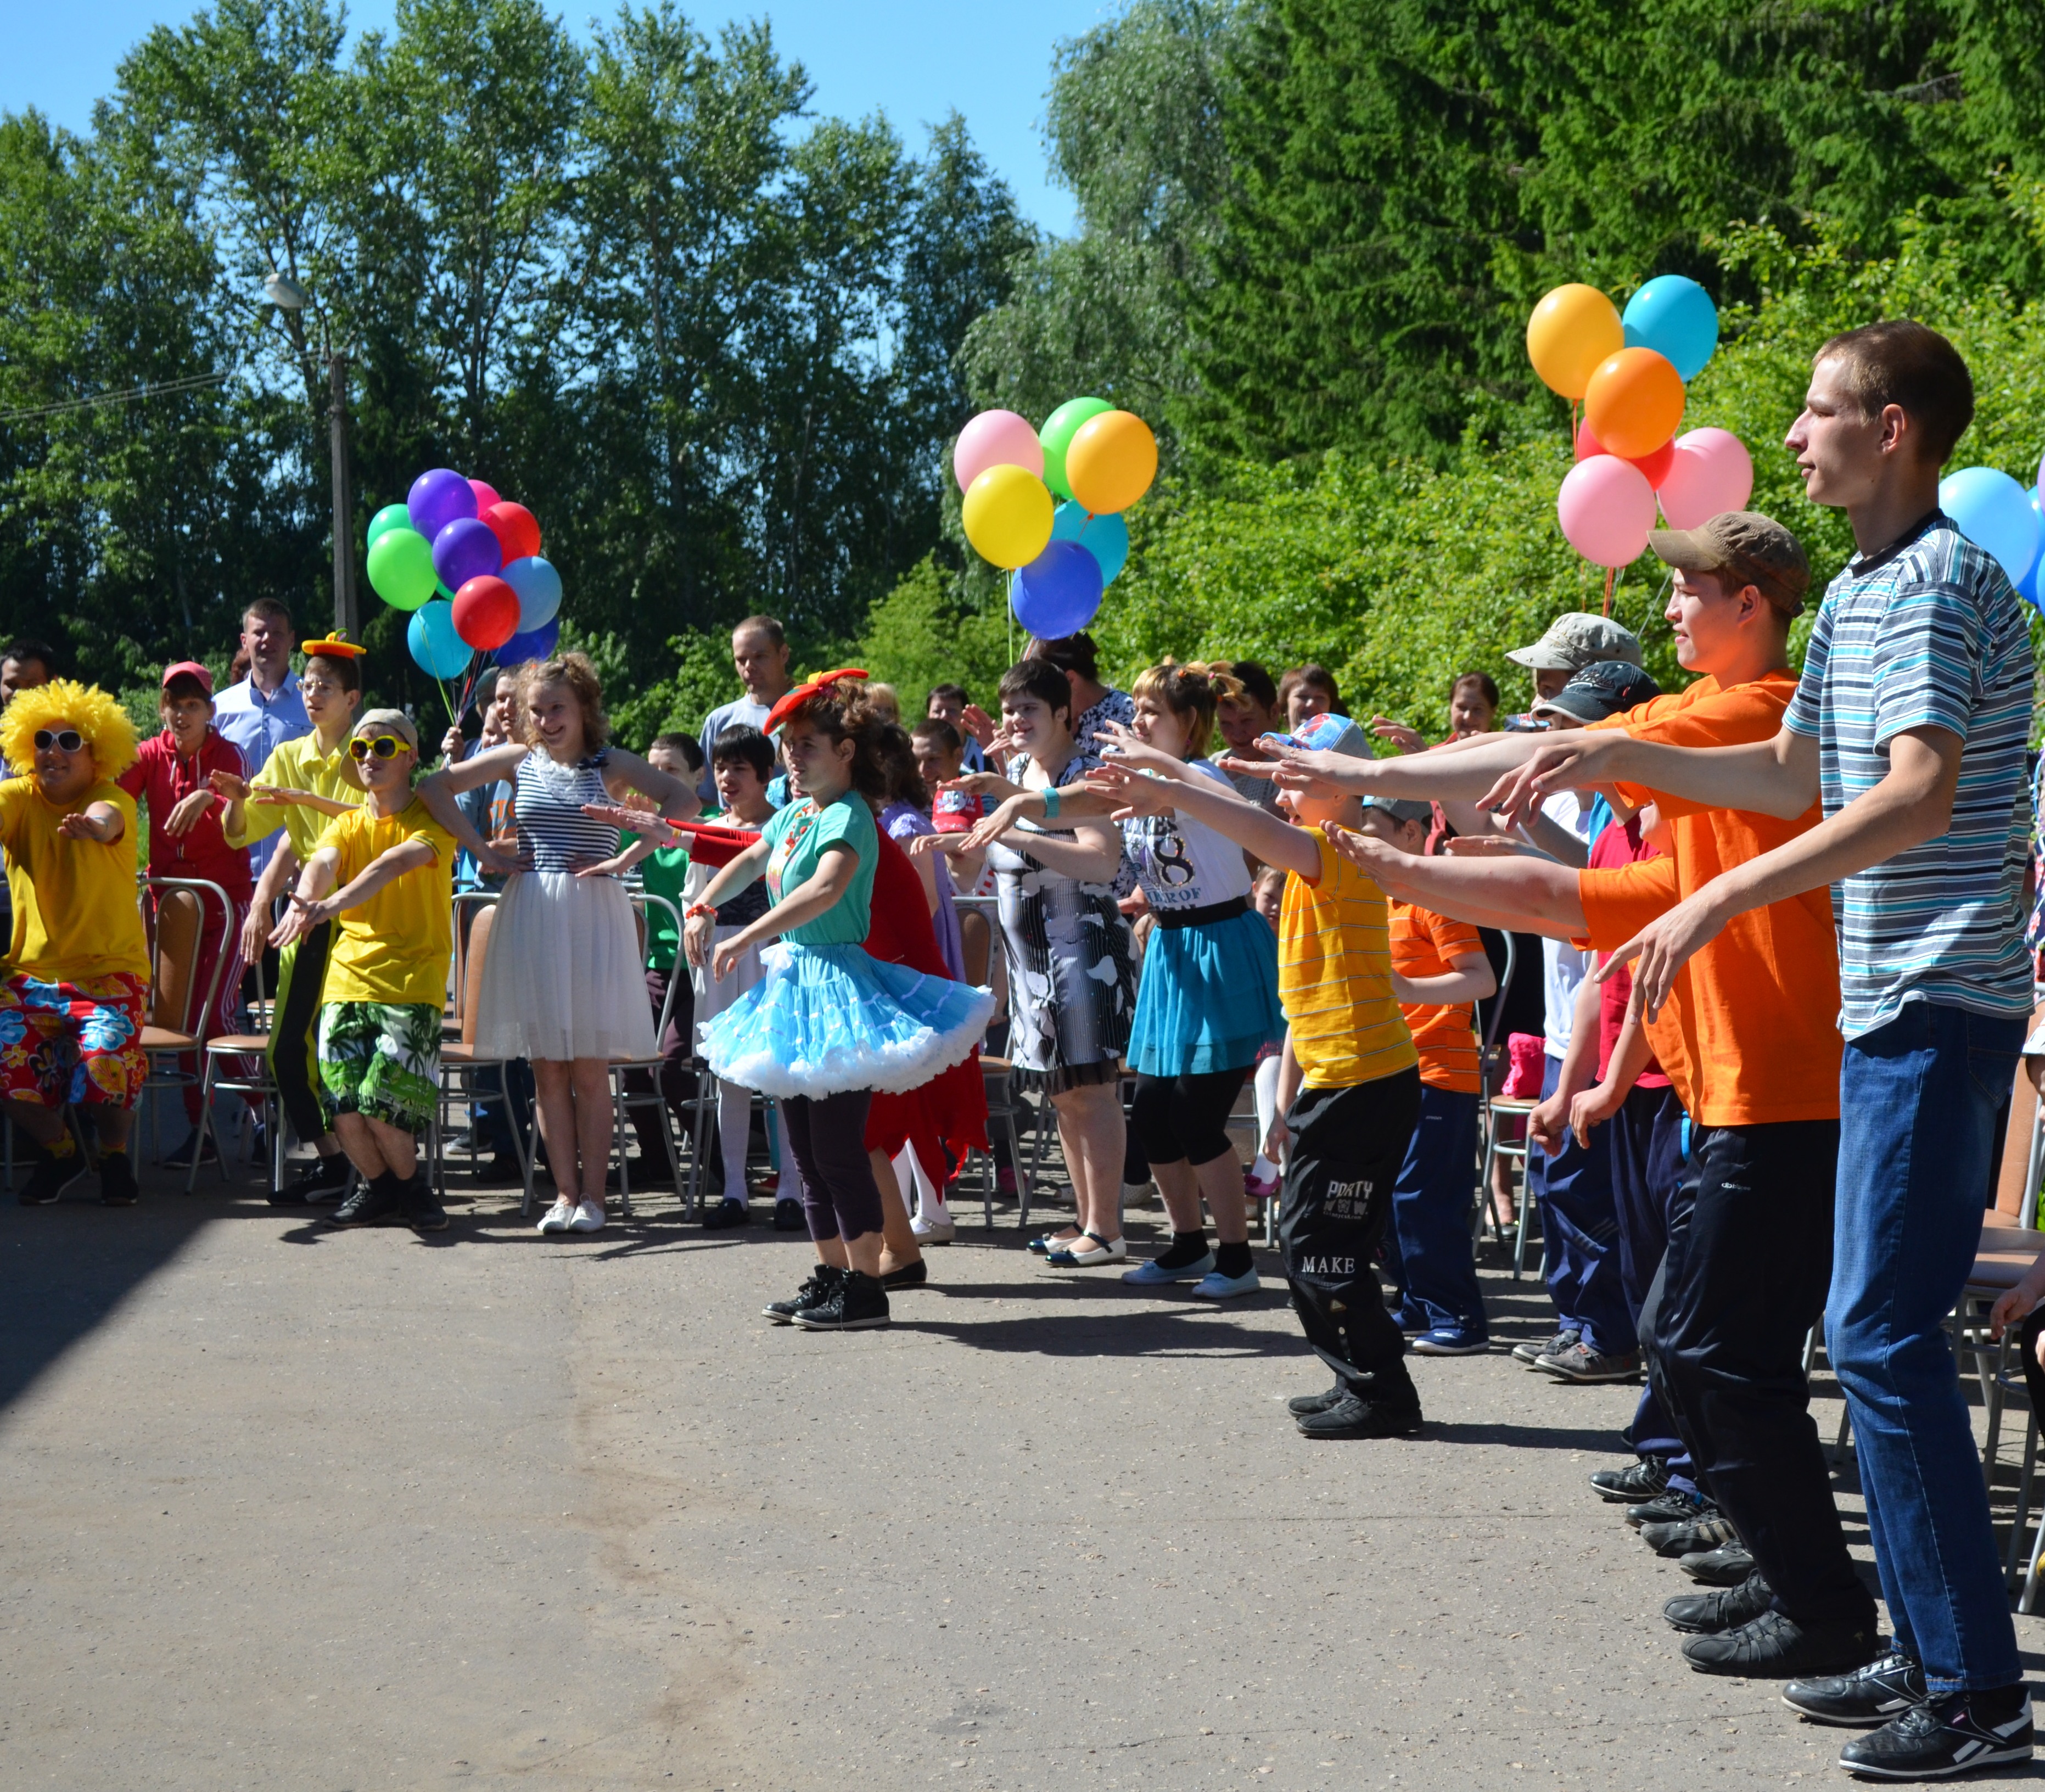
(340, 1511)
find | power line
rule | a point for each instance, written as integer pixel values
(164, 388)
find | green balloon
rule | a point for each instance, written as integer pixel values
(390, 517)
(1057, 436)
(400, 568)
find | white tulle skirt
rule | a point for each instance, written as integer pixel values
(565, 975)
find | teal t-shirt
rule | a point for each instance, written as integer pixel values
(662, 873)
(799, 835)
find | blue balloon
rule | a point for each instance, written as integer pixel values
(1058, 592)
(1674, 317)
(465, 549)
(535, 644)
(1994, 513)
(437, 649)
(2026, 587)
(1105, 538)
(539, 588)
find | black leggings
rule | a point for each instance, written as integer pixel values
(294, 1035)
(828, 1135)
(1185, 1120)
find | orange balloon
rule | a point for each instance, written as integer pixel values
(1112, 462)
(1572, 330)
(1633, 402)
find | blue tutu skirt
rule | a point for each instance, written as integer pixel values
(1209, 999)
(827, 1018)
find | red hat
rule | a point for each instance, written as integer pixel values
(191, 669)
(802, 694)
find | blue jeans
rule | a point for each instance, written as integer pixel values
(1918, 1101)
(1580, 1224)
(1646, 1171)
(1431, 1213)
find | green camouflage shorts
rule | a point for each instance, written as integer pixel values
(381, 1060)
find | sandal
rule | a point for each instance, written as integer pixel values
(1110, 1250)
(1045, 1245)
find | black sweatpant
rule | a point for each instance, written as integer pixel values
(1340, 1169)
(828, 1135)
(294, 1031)
(1750, 1259)
(1185, 1120)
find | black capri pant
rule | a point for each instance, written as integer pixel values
(1185, 1120)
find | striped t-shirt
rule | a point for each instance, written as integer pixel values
(1334, 977)
(553, 832)
(1927, 633)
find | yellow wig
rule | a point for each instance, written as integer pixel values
(63, 701)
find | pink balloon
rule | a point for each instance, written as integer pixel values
(486, 496)
(1606, 507)
(1712, 472)
(997, 438)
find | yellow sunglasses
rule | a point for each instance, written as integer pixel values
(384, 746)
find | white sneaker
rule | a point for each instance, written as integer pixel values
(559, 1217)
(1137, 1194)
(589, 1218)
(936, 1229)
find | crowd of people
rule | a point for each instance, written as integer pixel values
(1782, 993)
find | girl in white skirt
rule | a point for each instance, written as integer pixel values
(563, 984)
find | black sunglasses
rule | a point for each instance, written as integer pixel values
(70, 740)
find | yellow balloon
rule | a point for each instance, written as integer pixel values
(1008, 515)
(1572, 330)
(1111, 462)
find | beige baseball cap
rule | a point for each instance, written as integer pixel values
(1576, 639)
(389, 721)
(1751, 549)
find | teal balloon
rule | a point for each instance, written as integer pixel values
(390, 517)
(438, 650)
(1105, 538)
(1674, 317)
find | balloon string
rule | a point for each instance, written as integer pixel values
(1610, 577)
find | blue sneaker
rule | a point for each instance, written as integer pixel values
(1451, 1340)
(1150, 1274)
(1412, 1320)
(1216, 1286)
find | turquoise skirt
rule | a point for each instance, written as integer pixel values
(1208, 998)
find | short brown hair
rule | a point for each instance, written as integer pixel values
(1192, 693)
(1901, 362)
(761, 625)
(574, 671)
(270, 611)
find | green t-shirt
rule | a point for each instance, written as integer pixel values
(798, 836)
(661, 873)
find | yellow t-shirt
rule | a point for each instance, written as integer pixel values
(298, 764)
(1334, 977)
(395, 947)
(75, 910)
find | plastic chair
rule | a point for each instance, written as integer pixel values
(178, 1004)
(622, 1099)
(459, 1061)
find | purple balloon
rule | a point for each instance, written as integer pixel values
(466, 550)
(535, 644)
(437, 499)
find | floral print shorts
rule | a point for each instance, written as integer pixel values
(381, 1060)
(80, 1042)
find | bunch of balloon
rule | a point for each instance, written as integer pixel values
(2001, 517)
(466, 563)
(1630, 369)
(1046, 504)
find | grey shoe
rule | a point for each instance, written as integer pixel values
(1581, 1364)
(1707, 1532)
(1530, 1352)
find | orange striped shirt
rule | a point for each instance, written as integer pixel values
(1334, 977)
(1444, 1033)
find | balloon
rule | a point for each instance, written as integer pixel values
(516, 528)
(532, 644)
(390, 517)
(401, 567)
(1606, 507)
(538, 586)
(2026, 587)
(1057, 436)
(1655, 466)
(486, 612)
(486, 495)
(996, 438)
(1572, 330)
(1112, 462)
(465, 549)
(1058, 592)
(1676, 318)
(1105, 538)
(1633, 402)
(438, 650)
(1007, 515)
(1711, 473)
(1993, 512)
(437, 499)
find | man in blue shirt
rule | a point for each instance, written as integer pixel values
(264, 709)
(759, 652)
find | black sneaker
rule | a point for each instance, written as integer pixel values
(788, 1217)
(823, 1278)
(857, 1304)
(378, 1202)
(1670, 1506)
(1300, 1404)
(1726, 1566)
(1707, 1532)
(51, 1176)
(117, 1180)
(321, 1181)
(1535, 1348)
(1706, 1614)
(907, 1275)
(1943, 1737)
(1880, 1693)
(1638, 1482)
(721, 1216)
(1774, 1647)
(423, 1212)
(181, 1158)
(1352, 1416)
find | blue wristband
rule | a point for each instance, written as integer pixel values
(1051, 803)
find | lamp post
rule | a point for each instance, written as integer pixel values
(286, 295)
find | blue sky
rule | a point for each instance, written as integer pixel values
(914, 59)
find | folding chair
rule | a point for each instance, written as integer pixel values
(622, 1099)
(178, 911)
(251, 1046)
(459, 1062)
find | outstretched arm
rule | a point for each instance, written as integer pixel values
(1521, 894)
(1778, 776)
(1274, 842)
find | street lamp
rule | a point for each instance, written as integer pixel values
(286, 295)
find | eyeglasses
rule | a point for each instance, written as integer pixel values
(68, 740)
(384, 746)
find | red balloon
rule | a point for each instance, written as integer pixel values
(1655, 466)
(486, 613)
(517, 530)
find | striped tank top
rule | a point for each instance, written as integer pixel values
(553, 832)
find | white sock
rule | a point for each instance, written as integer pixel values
(734, 1123)
(1265, 1084)
(930, 1201)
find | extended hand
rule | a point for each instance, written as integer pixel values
(301, 919)
(1406, 739)
(983, 784)
(1662, 948)
(272, 794)
(1123, 745)
(226, 784)
(1377, 861)
(1574, 758)
(1139, 793)
(78, 826)
(634, 820)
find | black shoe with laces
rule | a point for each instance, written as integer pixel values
(51, 1176)
(1958, 1733)
(380, 1201)
(322, 1179)
(1353, 1416)
(823, 1278)
(1300, 1404)
(1774, 1647)
(1880, 1693)
(1726, 1566)
(1707, 1532)
(181, 1158)
(788, 1217)
(1706, 1614)
(721, 1216)
(1639, 1483)
(117, 1180)
(423, 1212)
(857, 1304)
(1668, 1507)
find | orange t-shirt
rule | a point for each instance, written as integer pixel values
(1444, 1033)
(1750, 1035)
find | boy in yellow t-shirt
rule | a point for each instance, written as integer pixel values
(1349, 1092)
(386, 987)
